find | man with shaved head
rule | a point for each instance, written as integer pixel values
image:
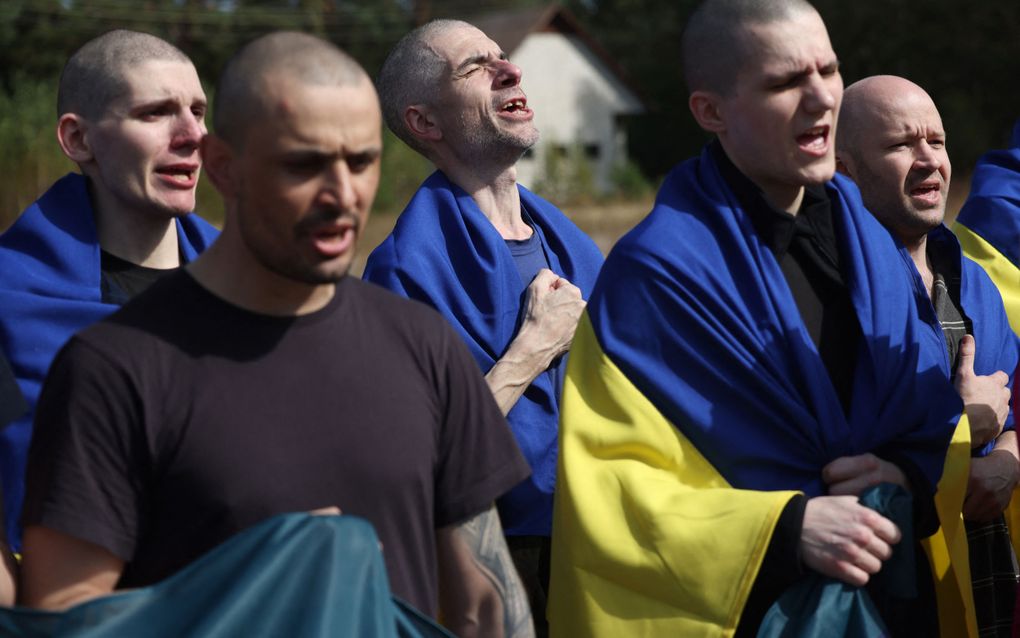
(130, 114)
(263, 380)
(751, 363)
(893, 145)
(504, 266)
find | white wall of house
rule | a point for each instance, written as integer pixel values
(576, 100)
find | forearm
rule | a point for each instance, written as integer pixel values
(480, 591)
(1007, 442)
(511, 375)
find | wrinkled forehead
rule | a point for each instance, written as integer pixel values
(461, 43)
(908, 111)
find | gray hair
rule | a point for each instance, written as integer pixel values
(411, 75)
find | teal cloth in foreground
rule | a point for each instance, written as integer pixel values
(293, 575)
(822, 607)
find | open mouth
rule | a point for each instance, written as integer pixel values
(814, 140)
(927, 192)
(182, 175)
(333, 240)
(516, 105)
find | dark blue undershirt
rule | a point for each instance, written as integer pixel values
(529, 257)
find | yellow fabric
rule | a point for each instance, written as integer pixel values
(1003, 273)
(947, 548)
(1006, 278)
(648, 539)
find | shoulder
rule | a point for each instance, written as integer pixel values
(396, 312)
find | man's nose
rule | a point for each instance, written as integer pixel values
(188, 132)
(507, 74)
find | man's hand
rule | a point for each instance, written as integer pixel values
(552, 308)
(992, 479)
(851, 475)
(985, 398)
(843, 539)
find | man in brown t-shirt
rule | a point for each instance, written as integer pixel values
(262, 379)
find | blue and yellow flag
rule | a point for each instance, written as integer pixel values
(696, 405)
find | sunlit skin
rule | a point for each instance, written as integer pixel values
(482, 108)
(145, 148)
(899, 159)
(778, 123)
(297, 194)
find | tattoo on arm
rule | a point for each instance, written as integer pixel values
(483, 534)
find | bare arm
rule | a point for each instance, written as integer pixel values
(60, 571)
(552, 308)
(992, 479)
(480, 593)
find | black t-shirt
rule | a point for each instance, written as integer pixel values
(182, 419)
(12, 403)
(120, 280)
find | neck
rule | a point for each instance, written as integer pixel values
(497, 196)
(787, 199)
(142, 239)
(917, 248)
(230, 271)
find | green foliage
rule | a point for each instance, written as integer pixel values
(568, 176)
(629, 182)
(403, 170)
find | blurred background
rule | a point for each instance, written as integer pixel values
(603, 77)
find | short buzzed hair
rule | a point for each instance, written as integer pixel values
(94, 74)
(411, 75)
(240, 94)
(714, 49)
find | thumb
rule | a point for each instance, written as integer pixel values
(965, 365)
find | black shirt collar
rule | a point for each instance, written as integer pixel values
(777, 228)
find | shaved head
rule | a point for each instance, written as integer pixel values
(411, 76)
(715, 43)
(241, 95)
(891, 142)
(869, 102)
(93, 76)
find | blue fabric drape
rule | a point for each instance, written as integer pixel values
(695, 310)
(49, 289)
(444, 252)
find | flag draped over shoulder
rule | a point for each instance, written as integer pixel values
(293, 575)
(49, 289)
(693, 374)
(444, 252)
(988, 225)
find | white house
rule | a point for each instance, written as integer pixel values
(578, 92)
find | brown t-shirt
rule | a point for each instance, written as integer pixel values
(182, 419)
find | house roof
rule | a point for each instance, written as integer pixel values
(509, 27)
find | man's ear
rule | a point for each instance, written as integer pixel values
(218, 162)
(421, 124)
(704, 106)
(72, 136)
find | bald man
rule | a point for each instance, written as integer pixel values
(505, 267)
(263, 380)
(130, 114)
(750, 364)
(893, 145)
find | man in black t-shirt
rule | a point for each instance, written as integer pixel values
(263, 380)
(893, 145)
